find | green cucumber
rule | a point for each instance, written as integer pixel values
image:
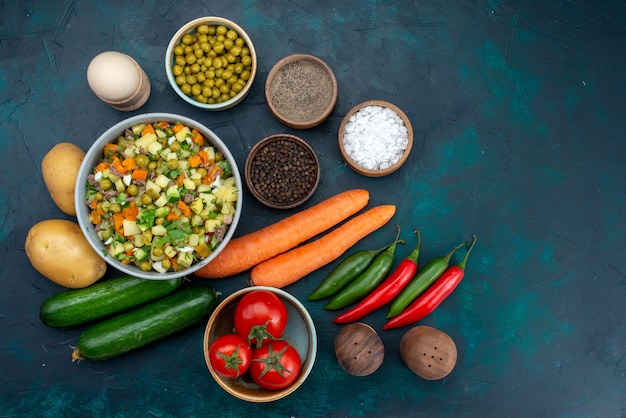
(79, 306)
(148, 323)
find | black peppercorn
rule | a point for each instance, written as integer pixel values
(283, 171)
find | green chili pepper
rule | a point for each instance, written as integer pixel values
(367, 281)
(344, 273)
(422, 280)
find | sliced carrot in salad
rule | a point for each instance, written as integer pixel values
(212, 175)
(148, 129)
(117, 164)
(204, 157)
(195, 161)
(118, 222)
(130, 164)
(140, 174)
(111, 149)
(172, 216)
(197, 137)
(174, 263)
(96, 216)
(184, 208)
(131, 211)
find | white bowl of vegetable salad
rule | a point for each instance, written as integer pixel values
(158, 196)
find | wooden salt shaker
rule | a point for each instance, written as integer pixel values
(118, 80)
(359, 349)
(428, 352)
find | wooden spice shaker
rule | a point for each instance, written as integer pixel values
(359, 349)
(428, 352)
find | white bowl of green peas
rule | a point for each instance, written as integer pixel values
(211, 63)
(158, 196)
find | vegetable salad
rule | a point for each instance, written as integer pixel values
(161, 198)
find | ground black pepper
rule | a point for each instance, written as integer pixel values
(302, 91)
(283, 172)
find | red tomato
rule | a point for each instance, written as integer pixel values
(230, 355)
(260, 316)
(276, 365)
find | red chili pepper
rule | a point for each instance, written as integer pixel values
(428, 301)
(387, 290)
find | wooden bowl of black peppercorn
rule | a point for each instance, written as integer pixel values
(282, 171)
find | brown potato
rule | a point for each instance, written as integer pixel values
(58, 250)
(60, 168)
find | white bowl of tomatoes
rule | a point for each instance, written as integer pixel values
(260, 344)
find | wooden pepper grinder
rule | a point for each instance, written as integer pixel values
(428, 352)
(118, 80)
(359, 349)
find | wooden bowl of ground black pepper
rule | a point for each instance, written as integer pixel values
(301, 91)
(282, 171)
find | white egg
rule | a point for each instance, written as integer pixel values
(113, 76)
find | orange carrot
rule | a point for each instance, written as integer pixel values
(148, 129)
(129, 164)
(111, 149)
(289, 267)
(197, 137)
(118, 222)
(174, 262)
(117, 164)
(194, 161)
(204, 156)
(178, 127)
(131, 211)
(203, 250)
(214, 171)
(184, 208)
(245, 252)
(171, 216)
(103, 166)
(140, 174)
(96, 216)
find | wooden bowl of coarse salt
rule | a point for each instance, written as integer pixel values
(375, 138)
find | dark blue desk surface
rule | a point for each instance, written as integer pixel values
(518, 112)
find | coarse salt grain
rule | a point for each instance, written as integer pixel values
(375, 137)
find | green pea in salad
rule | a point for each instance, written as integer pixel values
(160, 197)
